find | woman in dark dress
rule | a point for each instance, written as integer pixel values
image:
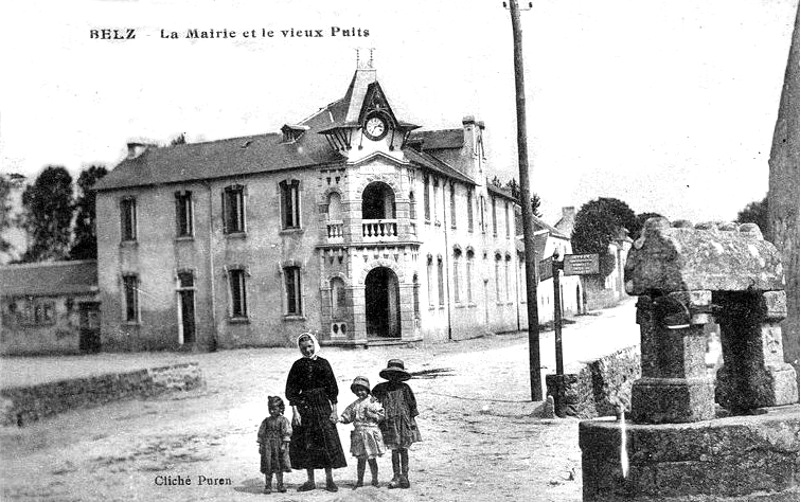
(311, 390)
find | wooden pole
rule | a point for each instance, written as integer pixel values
(525, 202)
(557, 316)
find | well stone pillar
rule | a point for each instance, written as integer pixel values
(674, 386)
(754, 374)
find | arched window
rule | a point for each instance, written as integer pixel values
(506, 277)
(441, 281)
(334, 207)
(378, 201)
(457, 261)
(337, 298)
(498, 258)
(416, 296)
(469, 274)
(430, 280)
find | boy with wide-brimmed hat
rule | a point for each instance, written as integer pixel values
(399, 427)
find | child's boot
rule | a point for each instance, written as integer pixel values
(373, 471)
(359, 474)
(395, 483)
(279, 483)
(404, 461)
(268, 486)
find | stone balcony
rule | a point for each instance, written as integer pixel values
(379, 230)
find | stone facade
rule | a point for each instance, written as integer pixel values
(49, 308)
(360, 235)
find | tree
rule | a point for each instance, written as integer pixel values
(640, 222)
(755, 212)
(535, 205)
(178, 140)
(599, 223)
(84, 246)
(47, 215)
(8, 182)
(513, 186)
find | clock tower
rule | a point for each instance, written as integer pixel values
(363, 122)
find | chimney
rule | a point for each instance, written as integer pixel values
(137, 149)
(473, 149)
(569, 212)
(471, 132)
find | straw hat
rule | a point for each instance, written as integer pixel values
(394, 371)
(360, 381)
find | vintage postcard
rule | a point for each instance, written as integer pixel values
(277, 249)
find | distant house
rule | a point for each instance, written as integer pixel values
(49, 308)
(547, 239)
(349, 223)
(601, 291)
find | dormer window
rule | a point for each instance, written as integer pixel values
(292, 133)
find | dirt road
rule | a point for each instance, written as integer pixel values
(481, 441)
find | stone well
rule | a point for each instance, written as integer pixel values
(679, 444)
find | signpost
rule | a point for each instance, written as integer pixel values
(573, 264)
(546, 269)
(581, 264)
(570, 264)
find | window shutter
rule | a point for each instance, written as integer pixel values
(224, 213)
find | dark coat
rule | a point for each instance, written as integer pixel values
(312, 387)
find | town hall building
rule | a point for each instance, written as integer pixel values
(353, 224)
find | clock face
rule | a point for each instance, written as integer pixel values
(375, 128)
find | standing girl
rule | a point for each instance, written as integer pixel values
(399, 427)
(274, 436)
(366, 441)
(311, 389)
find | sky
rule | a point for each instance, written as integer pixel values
(668, 105)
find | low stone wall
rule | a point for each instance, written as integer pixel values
(21, 405)
(600, 386)
(738, 458)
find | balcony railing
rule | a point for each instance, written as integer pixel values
(334, 229)
(378, 230)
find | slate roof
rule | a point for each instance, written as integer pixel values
(267, 152)
(49, 279)
(439, 139)
(218, 159)
(566, 224)
(501, 192)
(541, 225)
(429, 161)
(540, 240)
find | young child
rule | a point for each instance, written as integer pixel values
(274, 436)
(366, 441)
(399, 427)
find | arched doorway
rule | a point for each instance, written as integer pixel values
(382, 304)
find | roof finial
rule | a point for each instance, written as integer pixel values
(357, 59)
(370, 64)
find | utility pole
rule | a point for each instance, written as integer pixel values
(528, 213)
